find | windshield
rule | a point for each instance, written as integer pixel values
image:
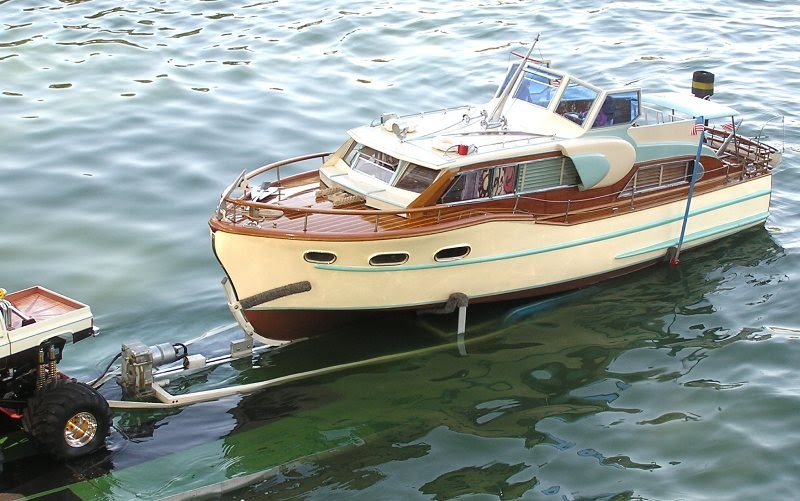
(576, 102)
(538, 87)
(372, 162)
(538, 84)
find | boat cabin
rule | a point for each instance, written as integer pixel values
(526, 139)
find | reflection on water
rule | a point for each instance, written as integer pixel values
(522, 402)
(520, 392)
(122, 122)
(534, 392)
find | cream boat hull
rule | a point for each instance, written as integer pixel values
(508, 257)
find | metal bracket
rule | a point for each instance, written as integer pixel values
(236, 310)
(243, 348)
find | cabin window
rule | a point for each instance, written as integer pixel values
(653, 177)
(618, 108)
(538, 87)
(532, 65)
(482, 183)
(371, 162)
(545, 174)
(388, 259)
(416, 178)
(320, 257)
(452, 253)
(576, 102)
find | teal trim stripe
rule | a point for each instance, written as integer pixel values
(742, 223)
(592, 168)
(540, 250)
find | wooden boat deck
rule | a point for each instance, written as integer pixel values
(306, 212)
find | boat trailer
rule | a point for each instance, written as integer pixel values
(68, 418)
(145, 370)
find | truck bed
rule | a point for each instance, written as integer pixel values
(40, 304)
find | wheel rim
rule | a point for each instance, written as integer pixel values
(80, 429)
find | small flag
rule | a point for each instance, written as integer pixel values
(727, 126)
(697, 129)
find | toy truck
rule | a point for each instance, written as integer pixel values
(66, 418)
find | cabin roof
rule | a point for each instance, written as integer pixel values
(690, 105)
(531, 108)
(439, 151)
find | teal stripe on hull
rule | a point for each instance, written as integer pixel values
(551, 248)
(740, 224)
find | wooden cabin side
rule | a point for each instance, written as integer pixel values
(309, 214)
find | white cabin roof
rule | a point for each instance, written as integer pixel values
(690, 105)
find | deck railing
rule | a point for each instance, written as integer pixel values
(751, 158)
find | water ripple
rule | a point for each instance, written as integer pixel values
(122, 122)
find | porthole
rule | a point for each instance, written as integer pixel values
(319, 257)
(452, 253)
(388, 259)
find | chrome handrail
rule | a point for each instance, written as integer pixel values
(240, 206)
(281, 163)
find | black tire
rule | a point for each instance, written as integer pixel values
(67, 419)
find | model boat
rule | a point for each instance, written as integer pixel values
(552, 184)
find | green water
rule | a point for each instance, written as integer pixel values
(123, 121)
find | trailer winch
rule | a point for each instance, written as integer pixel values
(138, 361)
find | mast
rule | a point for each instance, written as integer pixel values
(697, 169)
(494, 117)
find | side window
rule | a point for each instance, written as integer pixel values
(618, 108)
(482, 183)
(505, 179)
(653, 177)
(545, 174)
(416, 178)
(456, 191)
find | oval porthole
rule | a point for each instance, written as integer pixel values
(452, 253)
(388, 259)
(319, 257)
